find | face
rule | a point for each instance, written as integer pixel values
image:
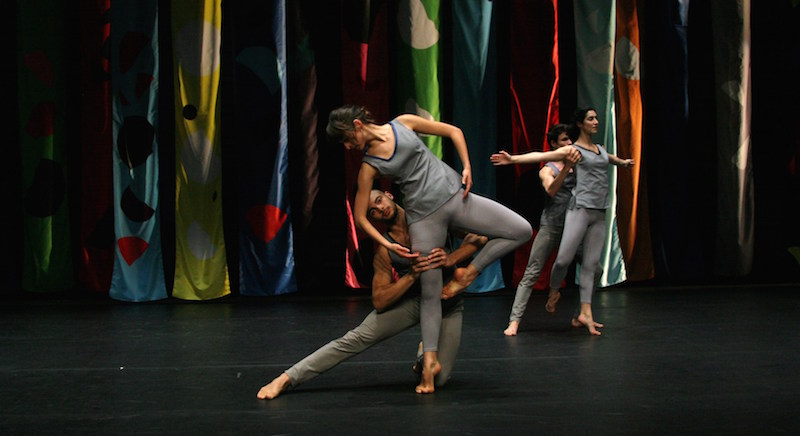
(354, 139)
(590, 123)
(381, 206)
(563, 139)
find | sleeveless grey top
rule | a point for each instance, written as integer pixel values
(555, 207)
(591, 189)
(425, 181)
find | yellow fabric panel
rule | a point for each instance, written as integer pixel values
(201, 270)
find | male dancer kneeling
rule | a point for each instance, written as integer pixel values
(396, 300)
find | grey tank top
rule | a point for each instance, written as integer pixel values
(591, 189)
(555, 207)
(424, 180)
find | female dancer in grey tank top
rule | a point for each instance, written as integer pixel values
(585, 220)
(435, 198)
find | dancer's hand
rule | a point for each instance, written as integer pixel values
(502, 158)
(436, 259)
(466, 180)
(573, 156)
(627, 163)
(403, 251)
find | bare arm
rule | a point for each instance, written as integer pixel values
(456, 136)
(625, 163)
(504, 158)
(366, 175)
(386, 291)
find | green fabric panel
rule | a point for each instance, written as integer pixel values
(47, 263)
(418, 63)
(595, 28)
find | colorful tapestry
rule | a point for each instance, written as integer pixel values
(534, 92)
(418, 37)
(138, 265)
(258, 89)
(41, 87)
(201, 271)
(633, 210)
(365, 81)
(594, 40)
(97, 213)
(475, 106)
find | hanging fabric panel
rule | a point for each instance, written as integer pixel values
(533, 65)
(777, 244)
(138, 265)
(633, 210)
(730, 26)
(594, 41)
(418, 63)
(258, 87)
(677, 248)
(47, 255)
(365, 81)
(201, 271)
(303, 121)
(97, 214)
(475, 105)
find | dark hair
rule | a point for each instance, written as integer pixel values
(556, 131)
(340, 121)
(577, 117)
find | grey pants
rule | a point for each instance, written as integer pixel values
(505, 229)
(587, 226)
(375, 328)
(545, 242)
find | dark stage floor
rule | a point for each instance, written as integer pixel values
(671, 361)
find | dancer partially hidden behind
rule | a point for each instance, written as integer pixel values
(396, 300)
(436, 198)
(584, 223)
(557, 179)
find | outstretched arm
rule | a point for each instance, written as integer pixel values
(625, 163)
(503, 158)
(456, 136)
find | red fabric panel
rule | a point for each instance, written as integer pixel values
(365, 81)
(97, 231)
(533, 68)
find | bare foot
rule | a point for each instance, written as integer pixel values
(462, 278)
(512, 328)
(587, 321)
(576, 324)
(275, 387)
(431, 368)
(552, 299)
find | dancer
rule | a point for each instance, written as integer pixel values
(435, 197)
(558, 179)
(585, 219)
(396, 301)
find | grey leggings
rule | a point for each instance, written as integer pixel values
(543, 245)
(505, 229)
(375, 328)
(589, 227)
